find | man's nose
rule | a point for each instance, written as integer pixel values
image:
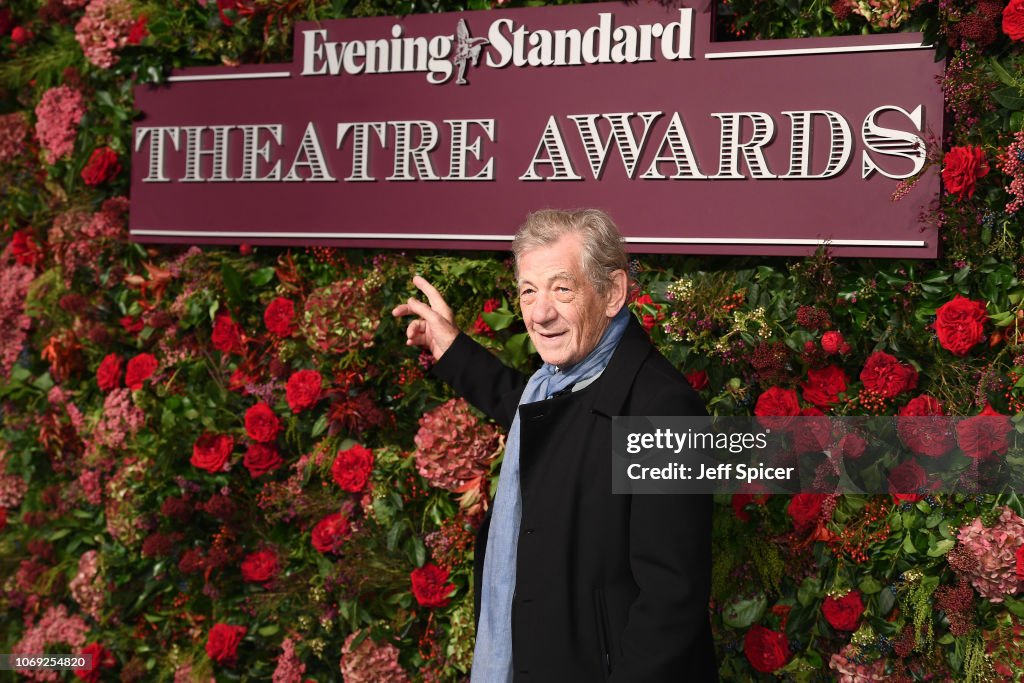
(543, 309)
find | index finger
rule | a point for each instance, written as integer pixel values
(437, 301)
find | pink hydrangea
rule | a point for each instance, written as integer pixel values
(55, 632)
(453, 447)
(121, 419)
(995, 549)
(12, 490)
(80, 240)
(13, 131)
(91, 484)
(104, 29)
(290, 668)
(848, 671)
(57, 117)
(369, 662)
(87, 587)
(14, 324)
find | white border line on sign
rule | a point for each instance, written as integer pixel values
(508, 238)
(815, 50)
(229, 77)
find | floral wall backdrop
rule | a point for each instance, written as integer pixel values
(224, 464)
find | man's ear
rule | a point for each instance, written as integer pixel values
(618, 286)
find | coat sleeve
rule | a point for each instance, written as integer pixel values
(667, 636)
(481, 379)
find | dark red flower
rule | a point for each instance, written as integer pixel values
(832, 342)
(140, 368)
(260, 567)
(211, 451)
(3, 518)
(279, 317)
(851, 446)
(923, 429)
(1013, 20)
(222, 643)
(961, 168)
(303, 390)
(108, 374)
(131, 325)
(227, 335)
(766, 650)
(740, 501)
(352, 467)
(812, 433)
(102, 166)
(260, 459)
(907, 481)
(984, 434)
(430, 586)
(102, 658)
(823, 387)
(25, 249)
(776, 407)
(21, 35)
(261, 424)
(960, 324)
(805, 510)
(844, 613)
(698, 379)
(1020, 560)
(138, 31)
(330, 533)
(885, 376)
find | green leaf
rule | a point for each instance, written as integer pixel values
(941, 547)
(233, 284)
(498, 320)
(809, 591)
(261, 277)
(268, 630)
(319, 426)
(1002, 74)
(743, 613)
(869, 585)
(1015, 606)
(908, 544)
(1009, 98)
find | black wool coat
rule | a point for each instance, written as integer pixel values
(608, 587)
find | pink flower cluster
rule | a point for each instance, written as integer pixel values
(87, 587)
(55, 627)
(290, 668)
(848, 671)
(1012, 164)
(57, 117)
(453, 447)
(369, 662)
(80, 240)
(14, 324)
(13, 131)
(121, 419)
(104, 29)
(12, 490)
(995, 549)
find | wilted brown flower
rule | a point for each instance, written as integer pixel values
(453, 448)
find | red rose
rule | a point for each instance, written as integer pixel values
(824, 386)
(303, 390)
(25, 249)
(740, 501)
(260, 459)
(138, 31)
(102, 658)
(227, 335)
(222, 643)
(260, 567)
(21, 35)
(776, 407)
(698, 379)
(984, 434)
(960, 324)
(140, 368)
(261, 424)
(131, 325)
(907, 480)
(430, 587)
(805, 509)
(832, 342)
(211, 451)
(1013, 20)
(108, 374)
(812, 433)
(352, 468)
(843, 613)
(101, 167)
(3, 518)
(885, 376)
(961, 168)
(766, 650)
(923, 429)
(1020, 560)
(851, 446)
(280, 317)
(330, 532)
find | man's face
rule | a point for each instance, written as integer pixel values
(564, 314)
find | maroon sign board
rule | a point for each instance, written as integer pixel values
(445, 130)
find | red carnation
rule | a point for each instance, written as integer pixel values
(260, 459)
(960, 324)
(222, 643)
(429, 585)
(907, 480)
(961, 168)
(832, 342)
(261, 424)
(280, 317)
(984, 434)
(885, 376)
(805, 509)
(698, 379)
(108, 374)
(823, 387)
(140, 368)
(1013, 20)
(776, 407)
(923, 429)
(211, 451)
(227, 335)
(352, 468)
(843, 613)
(138, 31)
(766, 650)
(101, 167)
(102, 658)
(260, 567)
(303, 390)
(330, 532)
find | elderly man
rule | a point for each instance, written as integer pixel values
(573, 583)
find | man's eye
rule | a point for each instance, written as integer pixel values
(564, 294)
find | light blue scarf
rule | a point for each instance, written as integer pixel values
(492, 658)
